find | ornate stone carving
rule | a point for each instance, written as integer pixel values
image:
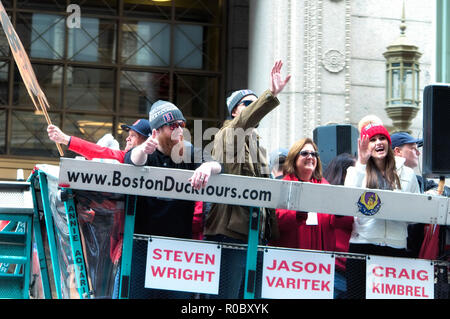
(333, 61)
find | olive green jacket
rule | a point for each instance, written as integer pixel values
(237, 147)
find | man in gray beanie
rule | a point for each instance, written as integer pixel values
(171, 218)
(159, 216)
(230, 223)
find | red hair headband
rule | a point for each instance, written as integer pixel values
(373, 129)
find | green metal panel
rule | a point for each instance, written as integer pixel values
(39, 242)
(125, 268)
(252, 253)
(50, 233)
(15, 254)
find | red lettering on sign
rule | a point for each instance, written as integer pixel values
(390, 272)
(399, 290)
(297, 283)
(184, 256)
(298, 266)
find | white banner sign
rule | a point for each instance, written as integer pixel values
(253, 191)
(183, 266)
(297, 275)
(399, 278)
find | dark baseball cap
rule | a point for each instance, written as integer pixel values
(142, 126)
(401, 138)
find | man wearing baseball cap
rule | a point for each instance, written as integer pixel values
(406, 146)
(138, 133)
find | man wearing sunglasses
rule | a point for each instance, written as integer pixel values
(166, 148)
(237, 146)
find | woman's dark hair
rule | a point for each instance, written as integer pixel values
(390, 172)
(337, 169)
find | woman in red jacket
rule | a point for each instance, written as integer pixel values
(304, 230)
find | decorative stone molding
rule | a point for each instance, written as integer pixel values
(333, 61)
(313, 22)
(348, 41)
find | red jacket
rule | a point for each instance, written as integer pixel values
(294, 233)
(91, 150)
(197, 221)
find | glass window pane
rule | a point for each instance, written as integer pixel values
(408, 86)
(94, 41)
(2, 132)
(4, 45)
(146, 43)
(395, 94)
(196, 95)
(42, 35)
(90, 89)
(196, 47)
(138, 8)
(29, 135)
(199, 10)
(89, 127)
(50, 80)
(47, 36)
(4, 67)
(188, 46)
(139, 90)
(417, 88)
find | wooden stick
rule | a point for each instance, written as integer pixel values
(441, 185)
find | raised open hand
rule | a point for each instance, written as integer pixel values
(364, 149)
(277, 83)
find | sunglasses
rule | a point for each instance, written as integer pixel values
(176, 125)
(246, 102)
(306, 153)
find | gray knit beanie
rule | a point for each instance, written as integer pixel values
(235, 97)
(164, 112)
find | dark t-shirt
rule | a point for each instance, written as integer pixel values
(164, 216)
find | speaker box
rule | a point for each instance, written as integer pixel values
(335, 139)
(436, 133)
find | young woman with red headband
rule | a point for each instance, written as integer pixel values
(376, 168)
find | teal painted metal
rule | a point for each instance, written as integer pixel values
(252, 253)
(51, 239)
(15, 251)
(39, 242)
(75, 243)
(127, 248)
